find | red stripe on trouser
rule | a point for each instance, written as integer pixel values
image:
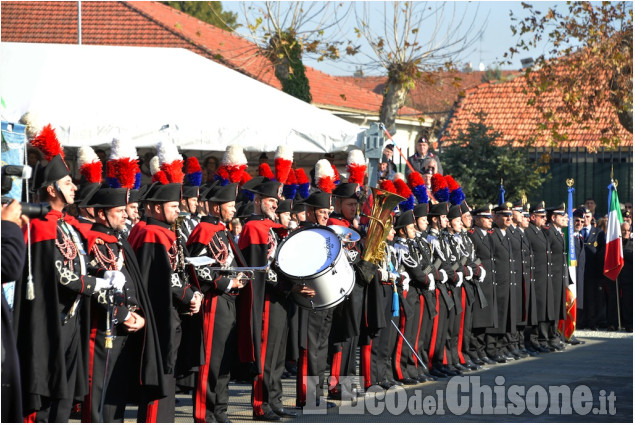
(435, 328)
(366, 358)
(399, 350)
(414, 355)
(301, 380)
(30, 419)
(151, 411)
(86, 405)
(209, 314)
(336, 369)
(460, 345)
(258, 383)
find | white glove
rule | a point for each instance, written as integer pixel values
(431, 285)
(394, 277)
(406, 281)
(384, 275)
(102, 284)
(460, 282)
(481, 278)
(444, 276)
(470, 273)
(117, 279)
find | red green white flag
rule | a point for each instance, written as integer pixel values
(613, 258)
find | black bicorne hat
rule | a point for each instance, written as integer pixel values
(439, 209)
(404, 219)
(454, 212)
(421, 210)
(222, 194)
(107, 197)
(318, 199)
(284, 206)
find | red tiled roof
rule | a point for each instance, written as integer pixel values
(436, 98)
(508, 112)
(153, 24)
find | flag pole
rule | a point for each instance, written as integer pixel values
(617, 287)
(383, 127)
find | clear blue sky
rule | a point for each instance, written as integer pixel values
(495, 41)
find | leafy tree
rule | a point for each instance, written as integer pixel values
(414, 42)
(588, 65)
(479, 158)
(285, 31)
(207, 11)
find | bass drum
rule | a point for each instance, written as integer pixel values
(314, 257)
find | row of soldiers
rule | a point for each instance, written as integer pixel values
(110, 312)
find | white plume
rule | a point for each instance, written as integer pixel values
(123, 147)
(86, 155)
(284, 152)
(167, 152)
(234, 155)
(323, 168)
(356, 157)
(154, 165)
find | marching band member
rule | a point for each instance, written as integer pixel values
(50, 308)
(161, 261)
(263, 306)
(211, 238)
(117, 316)
(315, 325)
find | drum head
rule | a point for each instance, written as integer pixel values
(308, 252)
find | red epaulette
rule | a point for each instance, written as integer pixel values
(471, 231)
(490, 231)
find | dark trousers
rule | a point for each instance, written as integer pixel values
(211, 393)
(478, 342)
(267, 386)
(115, 398)
(439, 336)
(59, 410)
(313, 357)
(594, 302)
(374, 355)
(466, 350)
(403, 359)
(426, 322)
(454, 329)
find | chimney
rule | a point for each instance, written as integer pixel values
(527, 62)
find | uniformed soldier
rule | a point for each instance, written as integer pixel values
(557, 220)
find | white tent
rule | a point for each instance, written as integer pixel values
(92, 93)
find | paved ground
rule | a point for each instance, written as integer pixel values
(598, 376)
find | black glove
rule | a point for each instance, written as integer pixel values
(366, 270)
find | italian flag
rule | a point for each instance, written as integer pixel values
(613, 258)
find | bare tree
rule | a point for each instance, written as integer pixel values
(415, 40)
(285, 31)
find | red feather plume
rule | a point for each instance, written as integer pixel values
(245, 178)
(235, 172)
(336, 173)
(283, 167)
(388, 186)
(265, 171)
(326, 184)
(438, 182)
(291, 178)
(192, 165)
(223, 172)
(402, 188)
(356, 173)
(174, 171)
(415, 179)
(300, 176)
(452, 184)
(160, 176)
(91, 171)
(124, 170)
(47, 142)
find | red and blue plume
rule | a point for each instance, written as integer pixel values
(47, 142)
(244, 179)
(222, 175)
(325, 176)
(193, 172)
(456, 193)
(233, 165)
(90, 167)
(440, 188)
(160, 177)
(283, 161)
(404, 191)
(265, 171)
(290, 188)
(170, 161)
(419, 189)
(304, 184)
(122, 168)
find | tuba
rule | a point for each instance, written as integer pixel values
(382, 204)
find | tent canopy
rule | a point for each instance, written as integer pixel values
(91, 94)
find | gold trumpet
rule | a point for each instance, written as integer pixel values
(383, 202)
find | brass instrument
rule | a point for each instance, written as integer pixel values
(380, 220)
(249, 272)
